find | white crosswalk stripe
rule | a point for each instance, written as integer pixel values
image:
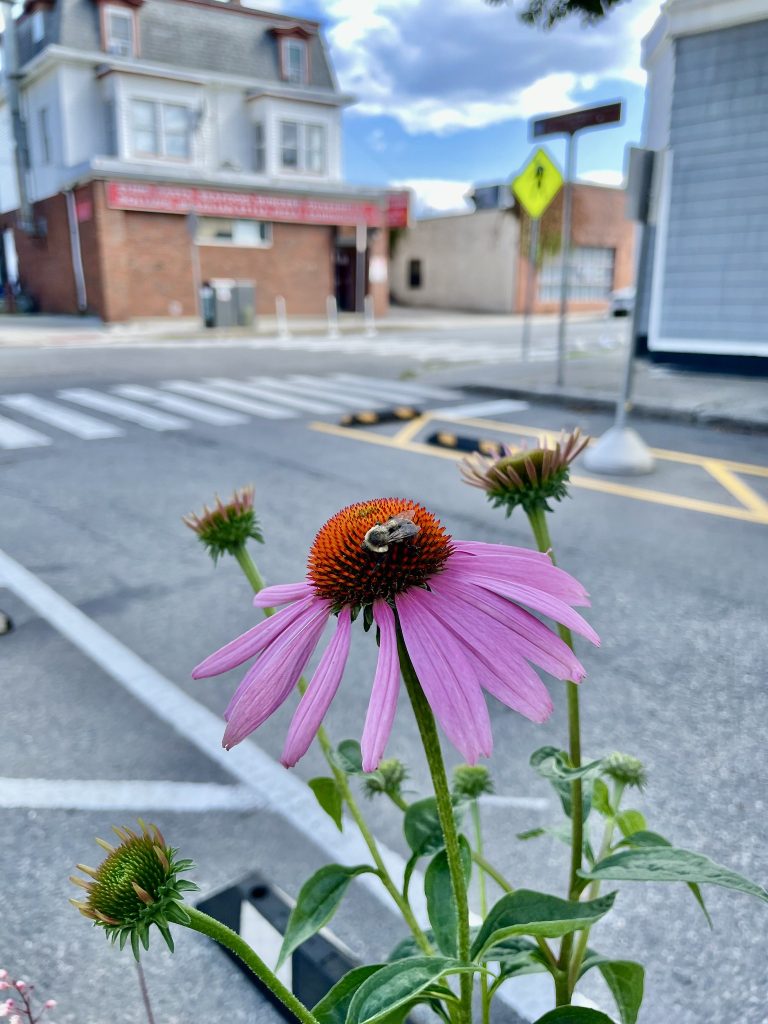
(350, 394)
(123, 409)
(257, 389)
(186, 406)
(227, 399)
(13, 435)
(71, 422)
(402, 388)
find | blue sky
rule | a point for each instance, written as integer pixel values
(446, 88)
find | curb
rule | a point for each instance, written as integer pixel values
(601, 402)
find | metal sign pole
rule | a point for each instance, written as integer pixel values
(565, 253)
(530, 287)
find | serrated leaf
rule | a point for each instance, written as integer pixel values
(525, 912)
(349, 757)
(441, 905)
(669, 864)
(574, 1015)
(421, 826)
(630, 822)
(329, 797)
(397, 986)
(333, 1007)
(624, 978)
(318, 901)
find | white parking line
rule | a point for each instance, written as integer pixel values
(119, 795)
(473, 409)
(87, 428)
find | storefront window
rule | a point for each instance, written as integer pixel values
(223, 231)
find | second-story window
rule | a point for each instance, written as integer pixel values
(295, 61)
(259, 148)
(45, 135)
(160, 129)
(302, 147)
(118, 26)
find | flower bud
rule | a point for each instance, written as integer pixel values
(470, 781)
(526, 477)
(49, 1004)
(387, 779)
(4, 985)
(21, 985)
(227, 527)
(138, 885)
(624, 768)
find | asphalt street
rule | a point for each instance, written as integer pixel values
(674, 564)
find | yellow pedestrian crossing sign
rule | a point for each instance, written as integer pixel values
(537, 184)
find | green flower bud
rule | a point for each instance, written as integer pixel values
(470, 781)
(625, 769)
(226, 528)
(138, 885)
(387, 779)
(528, 478)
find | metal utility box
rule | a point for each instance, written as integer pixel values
(228, 303)
(244, 294)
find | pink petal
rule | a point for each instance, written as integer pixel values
(532, 638)
(270, 681)
(319, 694)
(542, 573)
(273, 597)
(447, 676)
(537, 599)
(384, 692)
(253, 642)
(502, 671)
(477, 547)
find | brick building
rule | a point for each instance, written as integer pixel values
(480, 260)
(164, 143)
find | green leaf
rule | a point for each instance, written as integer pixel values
(333, 1007)
(630, 822)
(601, 799)
(552, 763)
(624, 978)
(397, 986)
(662, 863)
(643, 839)
(574, 1015)
(409, 947)
(441, 905)
(349, 757)
(422, 829)
(329, 798)
(515, 956)
(318, 901)
(524, 912)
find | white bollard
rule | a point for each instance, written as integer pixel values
(332, 312)
(370, 319)
(282, 317)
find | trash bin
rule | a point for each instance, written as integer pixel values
(228, 303)
(208, 304)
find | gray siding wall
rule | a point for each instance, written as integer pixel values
(716, 273)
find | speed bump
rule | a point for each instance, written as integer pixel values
(370, 417)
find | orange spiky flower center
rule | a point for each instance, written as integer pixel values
(377, 549)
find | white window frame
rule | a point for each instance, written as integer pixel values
(161, 130)
(37, 24)
(115, 45)
(46, 150)
(300, 45)
(264, 231)
(303, 132)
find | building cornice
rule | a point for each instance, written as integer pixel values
(692, 17)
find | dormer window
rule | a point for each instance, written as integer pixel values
(294, 60)
(119, 36)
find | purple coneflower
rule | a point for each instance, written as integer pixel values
(459, 608)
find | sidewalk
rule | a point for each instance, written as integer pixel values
(659, 392)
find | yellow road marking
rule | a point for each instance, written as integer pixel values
(742, 492)
(410, 430)
(750, 514)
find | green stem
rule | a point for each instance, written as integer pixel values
(492, 872)
(214, 929)
(254, 577)
(538, 521)
(484, 996)
(425, 721)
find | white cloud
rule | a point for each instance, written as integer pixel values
(440, 67)
(603, 177)
(433, 196)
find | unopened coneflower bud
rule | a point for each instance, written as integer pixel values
(471, 781)
(138, 885)
(226, 528)
(627, 770)
(530, 478)
(387, 779)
